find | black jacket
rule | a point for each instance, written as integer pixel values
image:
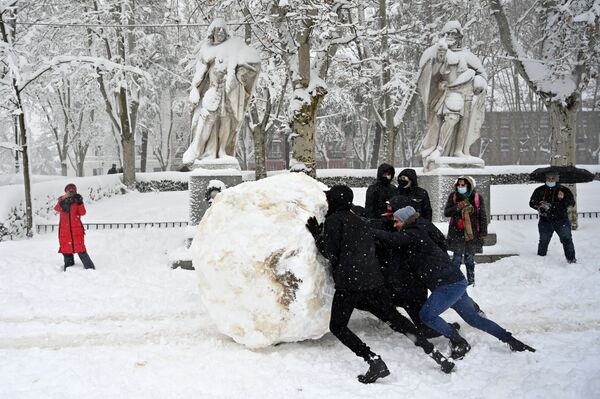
(421, 255)
(414, 196)
(379, 193)
(558, 207)
(348, 244)
(456, 235)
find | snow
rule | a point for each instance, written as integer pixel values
(134, 328)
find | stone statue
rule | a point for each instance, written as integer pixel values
(452, 83)
(226, 73)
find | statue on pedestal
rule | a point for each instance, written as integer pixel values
(226, 73)
(452, 83)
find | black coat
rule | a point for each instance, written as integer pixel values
(379, 193)
(558, 207)
(421, 255)
(400, 279)
(456, 235)
(350, 248)
(414, 196)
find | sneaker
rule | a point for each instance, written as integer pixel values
(377, 369)
(459, 348)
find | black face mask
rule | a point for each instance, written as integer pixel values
(404, 183)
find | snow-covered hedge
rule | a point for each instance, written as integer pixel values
(44, 197)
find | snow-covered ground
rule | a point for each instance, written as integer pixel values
(133, 328)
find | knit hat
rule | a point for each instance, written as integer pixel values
(70, 186)
(404, 213)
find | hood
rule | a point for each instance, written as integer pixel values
(471, 184)
(339, 198)
(412, 176)
(385, 167)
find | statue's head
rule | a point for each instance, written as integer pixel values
(453, 33)
(217, 31)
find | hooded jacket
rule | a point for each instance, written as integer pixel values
(414, 195)
(380, 192)
(70, 229)
(478, 217)
(349, 245)
(418, 250)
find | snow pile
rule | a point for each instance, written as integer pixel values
(260, 275)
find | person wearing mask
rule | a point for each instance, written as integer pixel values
(346, 241)
(445, 281)
(410, 194)
(467, 226)
(552, 201)
(71, 234)
(380, 192)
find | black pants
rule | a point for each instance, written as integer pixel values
(379, 303)
(413, 307)
(83, 256)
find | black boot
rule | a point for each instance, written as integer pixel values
(377, 369)
(460, 347)
(442, 360)
(518, 346)
(471, 276)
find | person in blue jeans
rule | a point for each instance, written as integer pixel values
(444, 279)
(552, 201)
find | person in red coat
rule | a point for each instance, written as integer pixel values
(71, 235)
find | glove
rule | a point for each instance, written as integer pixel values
(313, 226)
(78, 198)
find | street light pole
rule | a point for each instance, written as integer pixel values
(17, 143)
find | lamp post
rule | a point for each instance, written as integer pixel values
(17, 143)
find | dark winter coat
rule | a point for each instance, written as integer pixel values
(456, 234)
(70, 229)
(558, 207)
(400, 279)
(414, 195)
(418, 253)
(380, 192)
(349, 245)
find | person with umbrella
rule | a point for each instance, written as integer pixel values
(552, 201)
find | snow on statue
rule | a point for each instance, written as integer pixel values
(226, 73)
(452, 83)
(260, 275)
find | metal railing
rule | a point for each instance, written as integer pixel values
(45, 228)
(530, 216)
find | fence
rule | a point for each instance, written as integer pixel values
(45, 228)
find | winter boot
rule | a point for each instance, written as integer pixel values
(518, 346)
(442, 360)
(471, 276)
(377, 369)
(460, 347)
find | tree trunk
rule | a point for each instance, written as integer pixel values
(389, 131)
(26, 177)
(303, 140)
(260, 154)
(376, 146)
(144, 154)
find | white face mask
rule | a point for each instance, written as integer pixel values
(462, 190)
(551, 184)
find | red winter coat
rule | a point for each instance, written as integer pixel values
(70, 229)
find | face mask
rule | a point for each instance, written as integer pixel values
(462, 190)
(551, 184)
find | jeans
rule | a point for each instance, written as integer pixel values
(455, 296)
(563, 229)
(469, 264)
(83, 256)
(378, 302)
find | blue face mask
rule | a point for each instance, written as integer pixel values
(551, 184)
(462, 190)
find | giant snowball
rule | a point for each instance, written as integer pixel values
(260, 275)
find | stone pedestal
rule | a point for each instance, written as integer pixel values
(199, 181)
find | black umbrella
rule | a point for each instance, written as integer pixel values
(568, 174)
